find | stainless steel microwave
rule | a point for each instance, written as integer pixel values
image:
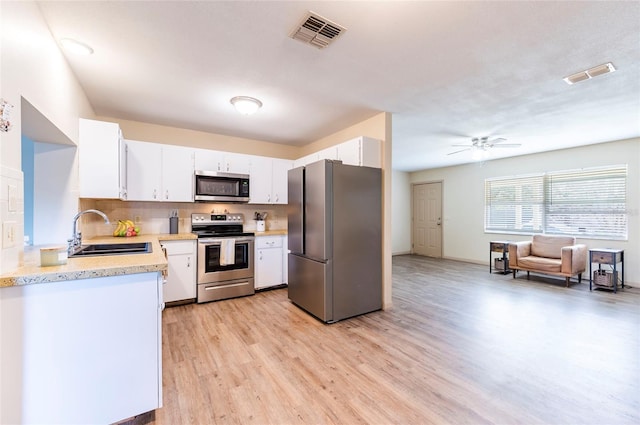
(214, 186)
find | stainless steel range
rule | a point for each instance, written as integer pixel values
(225, 256)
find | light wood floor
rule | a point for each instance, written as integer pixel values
(459, 346)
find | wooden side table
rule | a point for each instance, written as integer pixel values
(501, 247)
(609, 257)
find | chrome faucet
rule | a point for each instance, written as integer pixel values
(76, 238)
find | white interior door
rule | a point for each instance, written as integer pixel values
(427, 219)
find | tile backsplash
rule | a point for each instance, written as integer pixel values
(153, 217)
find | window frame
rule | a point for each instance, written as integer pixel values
(594, 217)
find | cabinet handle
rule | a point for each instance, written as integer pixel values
(277, 198)
(188, 261)
(155, 194)
(269, 198)
(166, 194)
(260, 255)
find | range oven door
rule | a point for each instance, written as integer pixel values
(212, 267)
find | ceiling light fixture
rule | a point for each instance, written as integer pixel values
(74, 46)
(590, 73)
(246, 105)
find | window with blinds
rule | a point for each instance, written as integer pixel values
(583, 203)
(514, 204)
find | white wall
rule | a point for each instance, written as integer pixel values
(55, 193)
(463, 198)
(32, 67)
(400, 213)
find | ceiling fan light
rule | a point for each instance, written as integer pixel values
(246, 105)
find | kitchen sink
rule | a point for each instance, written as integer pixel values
(113, 249)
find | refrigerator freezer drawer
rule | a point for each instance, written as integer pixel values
(309, 287)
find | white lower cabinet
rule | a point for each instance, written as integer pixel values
(85, 351)
(269, 262)
(181, 277)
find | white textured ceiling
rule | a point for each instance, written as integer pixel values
(447, 71)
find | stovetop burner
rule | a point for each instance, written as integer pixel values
(218, 225)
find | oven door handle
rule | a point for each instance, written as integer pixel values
(219, 241)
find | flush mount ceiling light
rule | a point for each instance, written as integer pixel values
(246, 105)
(76, 47)
(590, 73)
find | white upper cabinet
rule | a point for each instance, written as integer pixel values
(101, 171)
(260, 180)
(362, 151)
(226, 162)
(157, 172)
(236, 163)
(177, 174)
(328, 153)
(280, 176)
(268, 180)
(207, 160)
(307, 159)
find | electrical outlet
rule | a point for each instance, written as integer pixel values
(8, 234)
(137, 219)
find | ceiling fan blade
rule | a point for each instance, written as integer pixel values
(509, 145)
(496, 140)
(462, 150)
(462, 146)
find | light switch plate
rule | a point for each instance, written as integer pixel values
(8, 234)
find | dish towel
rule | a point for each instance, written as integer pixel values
(227, 252)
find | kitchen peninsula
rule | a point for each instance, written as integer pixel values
(81, 342)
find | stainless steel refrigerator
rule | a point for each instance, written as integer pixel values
(335, 239)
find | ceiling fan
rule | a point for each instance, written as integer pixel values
(480, 146)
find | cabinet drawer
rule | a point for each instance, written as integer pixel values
(179, 247)
(602, 257)
(268, 242)
(499, 247)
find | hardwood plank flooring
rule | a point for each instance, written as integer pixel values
(459, 346)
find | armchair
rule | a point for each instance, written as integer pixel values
(553, 255)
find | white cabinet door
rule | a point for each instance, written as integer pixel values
(328, 153)
(268, 261)
(269, 180)
(144, 171)
(236, 163)
(181, 277)
(157, 172)
(279, 183)
(260, 180)
(362, 151)
(208, 160)
(99, 159)
(177, 174)
(226, 162)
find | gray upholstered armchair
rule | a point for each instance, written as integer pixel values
(554, 255)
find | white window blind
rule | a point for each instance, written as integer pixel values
(588, 202)
(584, 203)
(514, 204)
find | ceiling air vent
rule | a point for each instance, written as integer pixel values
(317, 31)
(590, 73)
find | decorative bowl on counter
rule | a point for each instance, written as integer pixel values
(126, 228)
